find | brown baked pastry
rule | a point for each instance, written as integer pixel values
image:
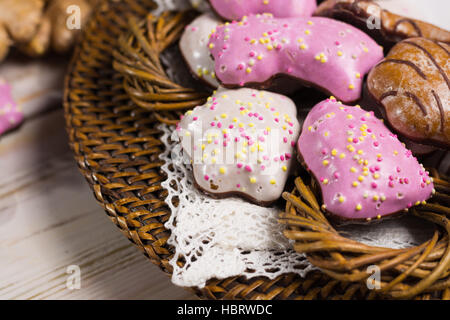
(393, 27)
(413, 88)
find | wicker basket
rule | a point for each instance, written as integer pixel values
(117, 146)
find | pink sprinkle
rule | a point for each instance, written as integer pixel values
(355, 140)
(277, 120)
(231, 126)
(252, 53)
(377, 168)
(247, 38)
(380, 159)
(322, 179)
(337, 175)
(241, 66)
(337, 43)
(288, 155)
(406, 180)
(282, 158)
(363, 119)
(324, 151)
(195, 118)
(263, 167)
(248, 168)
(391, 178)
(237, 139)
(213, 124)
(239, 165)
(374, 185)
(391, 184)
(399, 170)
(262, 139)
(400, 180)
(260, 118)
(225, 135)
(351, 126)
(219, 125)
(409, 205)
(238, 186)
(285, 140)
(241, 83)
(224, 143)
(369, 130)
(290, 131)
(292, 143)
(289, 70)
(206, 177)
(376, 143)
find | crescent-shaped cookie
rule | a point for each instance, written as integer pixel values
(328, 54)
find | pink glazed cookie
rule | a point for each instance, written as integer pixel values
(236, 9)
(10, 114)
(328, 54)
(241, 142)
(363, 170)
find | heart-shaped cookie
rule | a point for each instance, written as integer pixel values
(363, 170)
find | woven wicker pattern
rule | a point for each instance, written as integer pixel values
(116, 146)
(405, 272)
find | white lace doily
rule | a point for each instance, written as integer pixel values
(221, 238)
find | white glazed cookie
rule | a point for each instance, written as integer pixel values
(201, 5)
(193, 46)
(241, 142)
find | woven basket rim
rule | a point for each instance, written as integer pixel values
(87, 116)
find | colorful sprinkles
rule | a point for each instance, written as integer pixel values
(242, 138)
(304, 48)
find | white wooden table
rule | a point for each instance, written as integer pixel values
(49, 219)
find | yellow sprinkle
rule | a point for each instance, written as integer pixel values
(252, 180)
(284, 168)
(342, 156)
(310, 23)
(272, 181)
(341, 199)
(326, 134)
(325, 181)
(211, 45)
(339, 53)
(349, 116)
(303, 46)
(376, 175)
(248, 70)
(307, 32)
(300, 40)
(359, 207)
(360, 178)
(351, 86)
(375, 198)
(383, 198)
(352, 169)
(355, 184)
(333, 152)
(325, 162)
(358, 75)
